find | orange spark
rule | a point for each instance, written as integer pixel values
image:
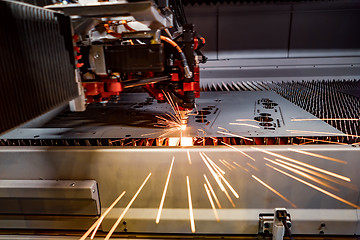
(318, 140)
(223, 129)
(229, 198)
(125, 210)
(225, 165)
(229, 164)
(329, 133)
(306, 165)
(164, 192)
(334, 180)
(245, 124)
(188, 154)
(245, 120)
(252, 166)
(98, 222)
(234, 135)
(274, 191)
(214, 165)
(192, 222)
(245, 169)
(316, 188)
(324, 119)
(225, 181)
(212, 203)
(239, 151)
(318, 156)
(212, 192)
(282, 164)
(213, 173)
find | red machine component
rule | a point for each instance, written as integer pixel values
(153, 91)
(102, 91)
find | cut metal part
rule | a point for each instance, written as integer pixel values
(245, 114)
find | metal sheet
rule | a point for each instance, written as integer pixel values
(119, 169)
(135, 117)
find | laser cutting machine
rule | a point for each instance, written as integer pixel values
(179, 119)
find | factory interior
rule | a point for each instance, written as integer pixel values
(180, 119)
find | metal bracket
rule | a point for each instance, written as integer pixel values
(271, 225)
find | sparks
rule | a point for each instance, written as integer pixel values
(225, 181)
(212, 192)
(245, 169)
(234, 135)
(126, 209)
(318, 140)
(188, 154)
(323, 119)
(164, 192)
(239, 151)
(212, 203)
(98, 222)
(192, 222)
(245, 120)
(318, 156)
(223, 129)
(305, 175)
(244, 124)
(328, 133)
(252, 166)
(274, 191)
(316, 188)
(306, 165)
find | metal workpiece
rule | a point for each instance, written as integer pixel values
(217, 114)
(247, 170)
(49, 197)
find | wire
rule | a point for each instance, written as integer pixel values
(126, 25)
(188, 73)
(110, 31)
(287, 229)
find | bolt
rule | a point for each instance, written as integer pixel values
(124, 222)
(97, 55)
(266, 225)
(125, 229)
(72, 184)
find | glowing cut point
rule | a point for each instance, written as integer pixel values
(182, 127)
(186, 141)
(173, 141)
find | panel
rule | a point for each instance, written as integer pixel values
(325, 30)
(36, 62)
(253, 31)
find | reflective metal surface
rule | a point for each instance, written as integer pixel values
(119, 169)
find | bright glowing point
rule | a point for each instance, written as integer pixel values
(183, 127)
(186, 141)
(173, 141)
